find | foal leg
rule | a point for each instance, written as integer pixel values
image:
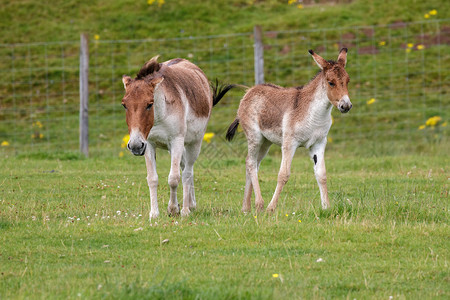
(287, 153)
(176, 152)
(254, 145)
(191, 153)
(317, 154)
(246, 205)
(152, 180)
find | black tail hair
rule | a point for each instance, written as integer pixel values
(232, 130)
(220, 91)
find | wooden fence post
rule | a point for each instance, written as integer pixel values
(84, 94)
(259, 55)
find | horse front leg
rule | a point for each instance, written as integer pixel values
(152, 180)
(287, 153)
(176, 153)
(317, 153)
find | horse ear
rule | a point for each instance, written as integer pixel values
(320, 61)
(126, 80)
(342, 58)
(157, 81)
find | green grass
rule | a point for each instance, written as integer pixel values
(79, 228)
(40, 81)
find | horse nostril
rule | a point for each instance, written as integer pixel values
(128, 146)
(142, 145)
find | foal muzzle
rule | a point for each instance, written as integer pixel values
(344, 104)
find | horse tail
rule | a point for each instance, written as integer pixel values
(220, 91)
(232, 130)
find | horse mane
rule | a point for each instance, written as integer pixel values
(150, 67)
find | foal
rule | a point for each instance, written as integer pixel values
(291, 118)
(168, 106)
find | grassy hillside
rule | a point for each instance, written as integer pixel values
(408, 83)
(35, 21)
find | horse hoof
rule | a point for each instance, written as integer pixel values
(153, 215)
(173, 210)
(185, 212)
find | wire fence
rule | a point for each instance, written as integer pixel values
(399, 80)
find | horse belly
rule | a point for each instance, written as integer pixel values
(195, 130)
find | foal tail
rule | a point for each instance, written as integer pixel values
(220, 91)
(232, 130)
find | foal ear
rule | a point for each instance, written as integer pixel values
(126, 80)
(320, 61)
(342, 58)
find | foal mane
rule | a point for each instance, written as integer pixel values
(150, 67)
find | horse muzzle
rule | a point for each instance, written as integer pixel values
(344, 104)
(138, 148)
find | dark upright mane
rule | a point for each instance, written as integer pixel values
(149, 67)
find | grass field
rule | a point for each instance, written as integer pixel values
(72, 227)
(79, 228)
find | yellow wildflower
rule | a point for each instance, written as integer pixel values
(420, 47)
(382, 43)
(275, 275)
(208, 136)
(96, 37)
(160, 3)
(371, 101)
(422, 127)
(291, 1)
(125, 141)
(426, 16)
(150, 2)
(5, 144)
(41, 135)
(330, 139)
(410, 45)
(433, 12)
(38, 124)
(408, 50)
(299, 6)
(286, 215)
(299, 221)
(444, 124)
(121, 154)
(433, 121)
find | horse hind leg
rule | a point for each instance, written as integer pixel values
(263, 150)
(191, 153)
(176, 152)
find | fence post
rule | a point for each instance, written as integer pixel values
(259, 55)
(84, 94)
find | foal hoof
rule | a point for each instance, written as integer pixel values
(270, 209)
(259, 207)
(246, 209)
(173, 210)
(185, 212)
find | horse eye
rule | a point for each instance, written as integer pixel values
(124, 106)
(330, 83)
(149, 106)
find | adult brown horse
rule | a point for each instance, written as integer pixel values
(168, 106)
